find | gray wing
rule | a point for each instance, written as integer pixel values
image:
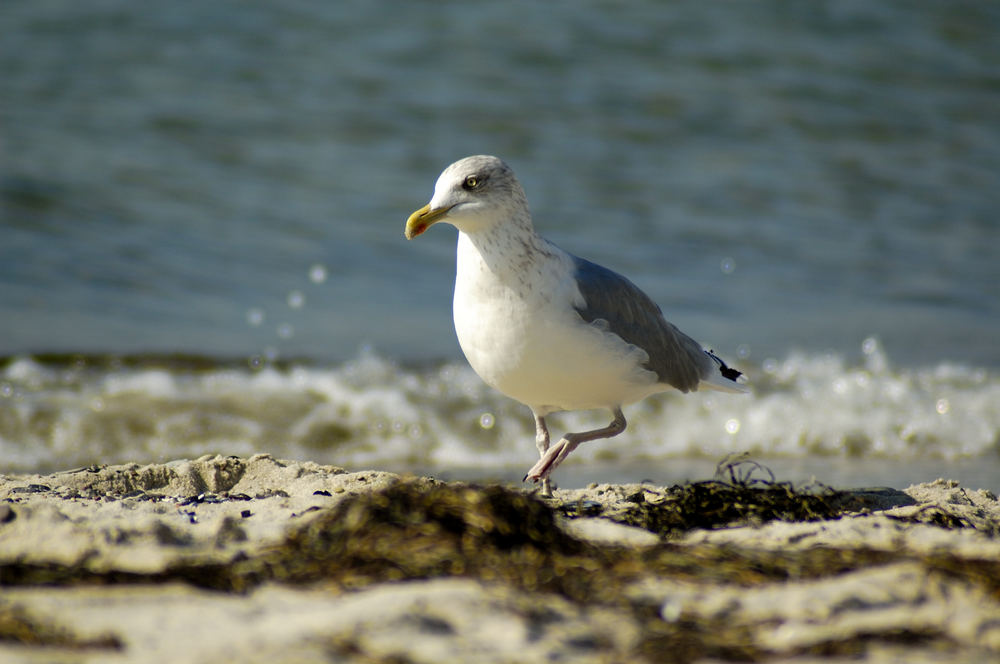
(677, 359)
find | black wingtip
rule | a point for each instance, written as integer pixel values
(726, 370)
(729, 372)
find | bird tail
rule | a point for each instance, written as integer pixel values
(723, 378)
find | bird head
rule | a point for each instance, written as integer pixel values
(473, 194)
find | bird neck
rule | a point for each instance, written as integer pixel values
(506, 251)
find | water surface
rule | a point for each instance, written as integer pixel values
(230, 180)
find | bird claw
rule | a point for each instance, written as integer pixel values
(545, 490)
(541, 470)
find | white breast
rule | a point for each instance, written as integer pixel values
(518, 329)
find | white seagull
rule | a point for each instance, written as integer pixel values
(551, 330)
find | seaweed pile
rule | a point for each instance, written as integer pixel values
(512, 540)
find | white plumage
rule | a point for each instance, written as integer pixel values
(549, 329)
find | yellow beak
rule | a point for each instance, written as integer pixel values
(422, 219)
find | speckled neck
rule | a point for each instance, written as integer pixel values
(510, 251)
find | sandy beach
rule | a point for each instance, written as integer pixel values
(254, 559)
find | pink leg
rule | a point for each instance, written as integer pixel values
(557, 453)
(542, 441)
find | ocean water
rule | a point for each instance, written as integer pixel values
(202, 204)
(809, 415)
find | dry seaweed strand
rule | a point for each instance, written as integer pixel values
(735, 497)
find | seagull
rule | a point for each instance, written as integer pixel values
(547, 328)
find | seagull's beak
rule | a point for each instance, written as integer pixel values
(422, 219)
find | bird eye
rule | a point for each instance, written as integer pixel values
(470, 183)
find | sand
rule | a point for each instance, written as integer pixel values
(261, 560)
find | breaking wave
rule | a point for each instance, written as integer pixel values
(58, 413)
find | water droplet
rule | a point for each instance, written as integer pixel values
(296, 299)
(728, 265)
(255, 317)
(869, 345)
(743, 351)
(286, 331)
(732, 426)
(942, 406)
(486, 420)
(317, 274)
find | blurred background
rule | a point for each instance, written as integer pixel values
(809, 188)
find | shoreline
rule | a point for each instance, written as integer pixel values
(270, 560)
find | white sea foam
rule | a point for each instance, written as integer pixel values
(372, 411)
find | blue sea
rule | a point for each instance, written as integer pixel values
(202, 209)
